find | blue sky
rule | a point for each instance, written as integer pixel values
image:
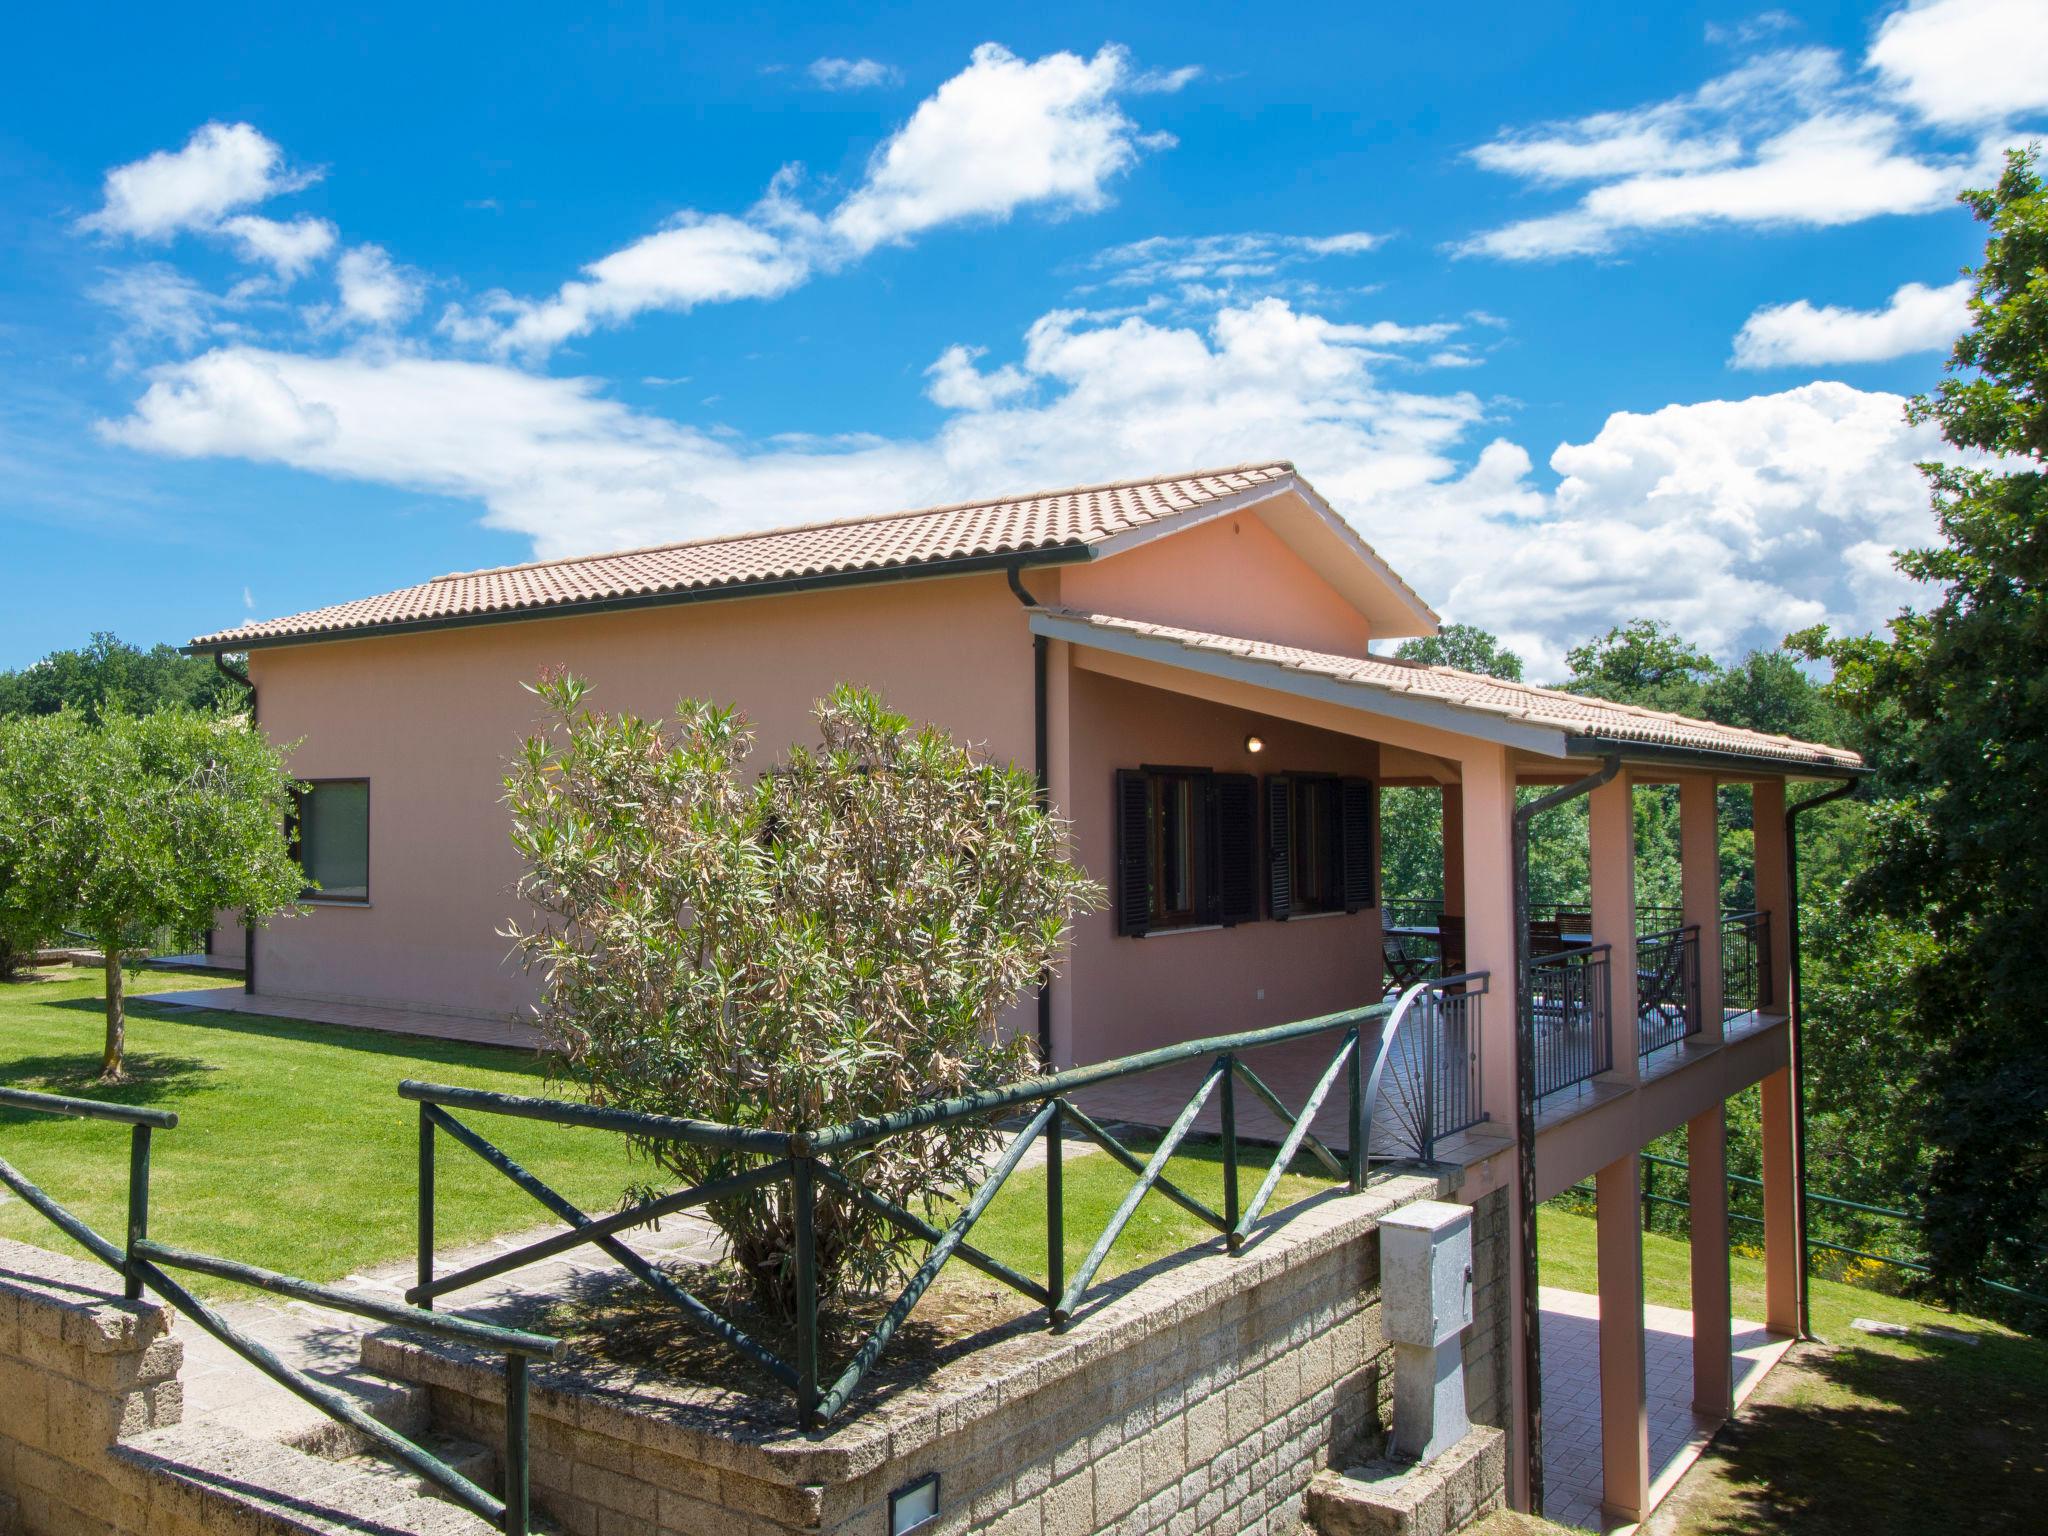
(1577, 314)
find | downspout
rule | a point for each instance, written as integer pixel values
(1525, 1119)
(1792, 813)
(241, 679)
(1038, 654)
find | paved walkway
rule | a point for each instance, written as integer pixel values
(222, 1388)
(1571, 1399)
(393, 1021)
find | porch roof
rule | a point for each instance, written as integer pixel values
(1541, 720)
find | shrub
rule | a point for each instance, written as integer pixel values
(838, 938)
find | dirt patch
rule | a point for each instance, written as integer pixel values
(613, 1321)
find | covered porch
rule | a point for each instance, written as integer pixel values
(1642, 1013)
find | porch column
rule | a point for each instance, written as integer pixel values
(1779, 1128)
(1613, 850)
(1485, 794)
(1059, 787)
(1699, 852)
(1454, 851)
(1706, 1156)
(1624, 1391)
(1774, 885)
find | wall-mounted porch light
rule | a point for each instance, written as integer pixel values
(1255, 743)
(914, 1507)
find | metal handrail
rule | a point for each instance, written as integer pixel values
(1668, 978)
(143, 1261)
(1581, 1046)
(811, 1159)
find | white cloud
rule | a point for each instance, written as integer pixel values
(959, 386)
(1231, 259)
(289, 247)
(1918, 319)
(375, 290)
(1166, 81)
(1003, 134)
(1786, 140)
(1966, 62)
(1728, 518)
(853, 74)
(224, 166)
(158, 303)
(1737, 520)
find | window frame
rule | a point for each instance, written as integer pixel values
(1323, 789)
(1201, 841)
(295, 822)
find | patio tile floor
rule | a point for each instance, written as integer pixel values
(1572, 1475)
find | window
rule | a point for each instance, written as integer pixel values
(1319, 844)
(1187, 846)
(333, 824)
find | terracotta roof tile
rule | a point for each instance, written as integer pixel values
(1574, 714)
(1042, 520)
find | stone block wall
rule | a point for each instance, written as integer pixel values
(1201, 1397)
(1487, 1341)
(80, 1370)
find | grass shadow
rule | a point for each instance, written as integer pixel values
(1866, 1442)
(150, 1076)
(424, 1049)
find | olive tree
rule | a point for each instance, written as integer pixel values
(839, 937)
(137, 825)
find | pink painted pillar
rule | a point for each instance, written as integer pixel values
(1485, 794)
(1624, 1391)
(1699, 852)
(1059, 783)
(1613, 850)
(1706, 1156)
(1779, 1121)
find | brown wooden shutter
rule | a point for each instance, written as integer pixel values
(1356, 799)
(1133, 852)
(1237, 847)
(1279, 846)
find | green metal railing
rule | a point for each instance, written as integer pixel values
(143, 1262)
(1743, 1181)
(816, 1161)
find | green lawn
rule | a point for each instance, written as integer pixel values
(293, 1149)
(295, 1152)
(1859, 1435)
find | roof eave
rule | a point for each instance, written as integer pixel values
(1705, 759)
(1060, 554)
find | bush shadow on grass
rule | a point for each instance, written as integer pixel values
(1948, 1436)
(423, 1049)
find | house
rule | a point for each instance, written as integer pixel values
(1185, 660)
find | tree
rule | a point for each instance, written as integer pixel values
(1466, 647)
(140, 825)
(1957, 695)
(109, 676)
(1646, 662)
(838, 938)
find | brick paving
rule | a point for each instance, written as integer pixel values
(1571, 1399)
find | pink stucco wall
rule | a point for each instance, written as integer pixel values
(1232, 575)
(430, 719)
(1133, 993)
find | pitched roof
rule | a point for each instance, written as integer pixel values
(1570, 714)
(1076, 519)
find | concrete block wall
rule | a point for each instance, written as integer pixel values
(1200, 1399)
(80, 1370)
(1487, 1340)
